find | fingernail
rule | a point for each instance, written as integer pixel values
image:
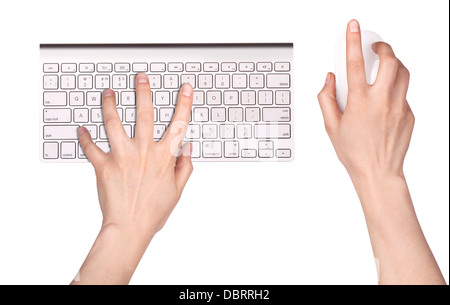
(108, 92)
(187, 90)
(81, 130)
(141, 78)
(353, 26)
(328, 78)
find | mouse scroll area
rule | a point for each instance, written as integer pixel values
(371, 63)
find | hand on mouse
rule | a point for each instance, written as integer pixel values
(139, 183)
(371, 139)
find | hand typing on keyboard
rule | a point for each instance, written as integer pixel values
(139, 183)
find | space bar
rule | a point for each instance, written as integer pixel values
(61, 132)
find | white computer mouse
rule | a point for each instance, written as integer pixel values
(371, 62)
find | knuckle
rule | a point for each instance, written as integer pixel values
(391, 61)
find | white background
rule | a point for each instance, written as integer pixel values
(237, 223)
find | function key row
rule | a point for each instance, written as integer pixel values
(170, 67)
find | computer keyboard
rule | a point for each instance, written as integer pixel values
(242, 101)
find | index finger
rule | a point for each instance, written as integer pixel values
(356, 75)
(180, 120)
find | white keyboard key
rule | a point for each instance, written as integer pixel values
(248, 97)
(104, 145)
(252, 114)
(226, 131)
(50, 150)
(68, 68)
(132, 81)
(218, 114)
(213, 97)
(102, 81)
(57, 115)
(212, 149)
(68, 150)
(209, 131)
(256, 81)
(200, 114)
(93, 98)
(282, 66)
(155, 81)
(140, 67)
(92, 130)
(84, 81)
(51, 68)
(235, 114)
(67, 81)
(61, 132)
(265, 145)
(130, 115)
(193, 67)
(87, 67)
(222, 81)
(166, 114)
(278, 81)
(265, 97)
(158, 131)
(244, 131)
(122, 67)
(198, 98)
(81, 154)
(274, 114)
(283, 153)
(265, 153)
(119, 81)
(162, 98)
(205, 81)
(240, 81)
(76, 98)
(50, 81)
(104, 67)
(211, 66)
(272, 131)
(264, 67)
(229, 67)
(171, 81)
(248, 153)
(231, 97)
(282, 97)
(102, 132)
(96, 115)
(175, 67)
(128, 98)
(196, 151)
(193, 132)
(55, 98)
(231, 149)
(158, 67)
(81, 115)
(188, 79)
(128, 129)
(246, 67)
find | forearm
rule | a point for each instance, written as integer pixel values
(399, 245)
(113, 257)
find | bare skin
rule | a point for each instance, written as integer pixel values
(139, 183)
(371, 139)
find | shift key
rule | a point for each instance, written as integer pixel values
(61, 132)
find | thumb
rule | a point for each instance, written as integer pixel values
(92, 151)
(328, 103)
(183, 167)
